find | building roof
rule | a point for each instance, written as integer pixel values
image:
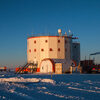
(30, 37)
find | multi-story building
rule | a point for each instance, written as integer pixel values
(50, 53)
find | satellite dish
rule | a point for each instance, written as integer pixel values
(59, 32)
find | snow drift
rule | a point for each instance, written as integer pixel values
(21, 79)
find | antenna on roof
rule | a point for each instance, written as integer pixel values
(65, 33)
(32, 33)
(70, 33)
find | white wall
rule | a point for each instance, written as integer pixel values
(52, 42)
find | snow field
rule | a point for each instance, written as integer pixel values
(42, 87)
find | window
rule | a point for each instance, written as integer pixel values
(46, 41)
(50, 49)
(58, 41)
(34, 50)
(29, 50)
(42, 49)
(58, 49)
(35, 41)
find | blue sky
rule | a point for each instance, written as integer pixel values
(19, 18)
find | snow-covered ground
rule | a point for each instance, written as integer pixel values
(47, 87)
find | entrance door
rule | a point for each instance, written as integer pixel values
(46, 66)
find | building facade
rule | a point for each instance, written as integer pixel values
(50, 53)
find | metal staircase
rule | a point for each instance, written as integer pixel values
(21, 69)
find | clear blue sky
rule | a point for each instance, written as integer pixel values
(21, 17)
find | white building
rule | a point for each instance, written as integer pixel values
(50, 53)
